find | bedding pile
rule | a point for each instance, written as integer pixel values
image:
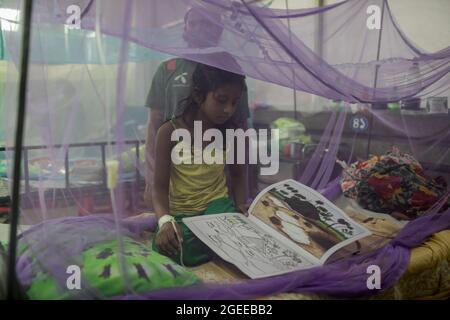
(392, 183)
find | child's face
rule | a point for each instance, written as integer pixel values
(220, 105)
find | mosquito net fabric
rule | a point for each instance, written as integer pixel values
(84, 83)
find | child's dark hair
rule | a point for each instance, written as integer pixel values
(208, 78)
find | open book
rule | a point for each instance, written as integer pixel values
(289, 227)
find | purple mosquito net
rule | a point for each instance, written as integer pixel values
(77, 116)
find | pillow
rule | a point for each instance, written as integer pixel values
(146, 270)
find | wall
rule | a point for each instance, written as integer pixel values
(426, 23)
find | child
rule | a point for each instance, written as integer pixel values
(188, 189)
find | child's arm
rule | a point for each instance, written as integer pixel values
(166, 239)
(238, 177)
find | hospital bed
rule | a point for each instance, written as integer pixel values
(427, 275)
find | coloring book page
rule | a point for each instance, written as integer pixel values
(290, 227)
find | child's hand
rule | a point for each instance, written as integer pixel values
(243, 208)
(167, 241)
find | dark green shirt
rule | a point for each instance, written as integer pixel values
(172, 84)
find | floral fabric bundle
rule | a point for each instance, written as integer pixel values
(392, 183)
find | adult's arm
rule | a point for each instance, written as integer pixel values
(155, 120)
(156, 104)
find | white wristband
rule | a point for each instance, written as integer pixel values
(165, 218)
